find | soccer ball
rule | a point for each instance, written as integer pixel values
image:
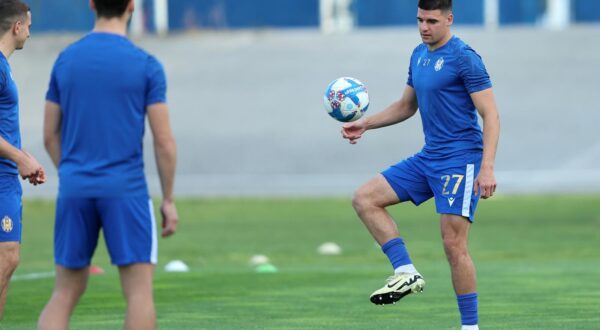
(346, 99)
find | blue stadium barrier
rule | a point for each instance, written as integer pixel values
(215, 14)
(74, 15)
(521, 11)
(60, 15)
(148, 15)
(468, 12)
(404, 12)
(586, 11)
(385, 12)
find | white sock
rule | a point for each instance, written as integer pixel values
(405, 269)
(470, 327)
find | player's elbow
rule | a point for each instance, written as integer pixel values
(51, 139)
(165, 144)
(407, 108)
(47, 141)
(490, 114)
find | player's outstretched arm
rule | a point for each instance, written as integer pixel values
(395, 113)
(52, 122)
(165, 152)
(485, 183)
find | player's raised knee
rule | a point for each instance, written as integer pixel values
(362, 199)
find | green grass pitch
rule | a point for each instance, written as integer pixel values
(538, 261)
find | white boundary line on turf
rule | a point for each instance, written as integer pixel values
(33, 276)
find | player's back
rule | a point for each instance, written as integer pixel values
(103, 84)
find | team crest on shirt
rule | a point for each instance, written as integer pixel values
(7, 224)
(439, 64)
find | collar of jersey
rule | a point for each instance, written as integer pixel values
(443, 47)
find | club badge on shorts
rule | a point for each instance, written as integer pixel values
(7, 224)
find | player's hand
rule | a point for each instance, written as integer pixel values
(169, 218)
(354, 130)
(485, 184)
(37, 178)
(30, 169)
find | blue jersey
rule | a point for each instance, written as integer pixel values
(103, 84)
(443, 80)
(9, 116)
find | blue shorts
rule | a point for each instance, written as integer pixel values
(449, 181)
(127, 224)
(11, 209)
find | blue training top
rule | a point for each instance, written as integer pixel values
(103, 84)
(443, 80)
(9, 116)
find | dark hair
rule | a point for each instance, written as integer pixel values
(443, 5)
(10, 12)
(110, 8)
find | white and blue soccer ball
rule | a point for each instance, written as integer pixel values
(346, 99)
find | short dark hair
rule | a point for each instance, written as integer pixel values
(10, 12)
(110, 8)
(443, 5)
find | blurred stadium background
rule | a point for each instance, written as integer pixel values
(246, 80)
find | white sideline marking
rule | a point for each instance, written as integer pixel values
(32, 276)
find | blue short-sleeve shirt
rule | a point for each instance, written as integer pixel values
(443, 80)
(9, 115)
(103, 84)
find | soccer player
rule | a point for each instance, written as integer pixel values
(15, 20)
(448, 84)
(101, 89)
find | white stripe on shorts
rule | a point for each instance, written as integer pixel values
(466, 207)
(154, 251)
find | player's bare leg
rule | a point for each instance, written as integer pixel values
(455, 233)
(370, 201)
(70, 284)
(9, 260)
(136, 280)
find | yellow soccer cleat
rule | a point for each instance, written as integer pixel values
(398, 286)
